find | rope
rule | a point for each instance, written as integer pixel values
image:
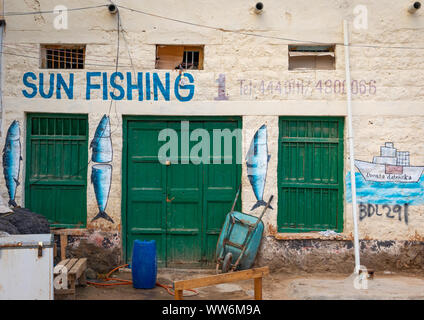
(121, 282)
(6, 214)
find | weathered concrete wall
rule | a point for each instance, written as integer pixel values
(320, 255)
(387, 99)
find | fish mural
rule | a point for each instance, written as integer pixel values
(101, 144)
(101, 173)
(257, 159)
(12, 160)
(101, 178)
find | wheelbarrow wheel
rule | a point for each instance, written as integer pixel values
(226, 265)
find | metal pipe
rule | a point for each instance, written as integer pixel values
(351, 149)
(259, 6)
(112, 8)
(414, 7)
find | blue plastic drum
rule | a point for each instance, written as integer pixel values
(144, 264)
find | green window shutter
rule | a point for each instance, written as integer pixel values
(56, 168)
(310, 174)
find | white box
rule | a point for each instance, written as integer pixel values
(23, 274)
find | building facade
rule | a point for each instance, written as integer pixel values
(90, 94)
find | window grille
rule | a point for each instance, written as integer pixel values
(62, 56)
(402, 158)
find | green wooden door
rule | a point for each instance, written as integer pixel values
(56, 168)
(145, 187)
(180, 206)
(310, 174)
(184, 207)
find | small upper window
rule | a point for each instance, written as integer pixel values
(311, 57)
(62, 56)
(179, 57)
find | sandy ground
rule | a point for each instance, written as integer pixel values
(276, 286)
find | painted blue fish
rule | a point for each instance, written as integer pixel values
(257, 165)
(12, 160)
(102, 142)
(101, 178)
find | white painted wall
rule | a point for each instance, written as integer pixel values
(394, 113)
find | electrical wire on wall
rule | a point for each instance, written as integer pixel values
(111, 100)
(265, 36)
(181, 70)
(56, 52)
(289, 40)
(11, 14)
(119, 28)
(118, 31)
(110, 66)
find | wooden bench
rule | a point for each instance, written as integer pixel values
(63, 234)
(75, 273)
(256, 274)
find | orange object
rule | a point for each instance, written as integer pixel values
(126, 282)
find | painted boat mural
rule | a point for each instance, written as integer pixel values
(257, 159)
(388, 180)
(12, 160)
(390, 166)
(101, 178)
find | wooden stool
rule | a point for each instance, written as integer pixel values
(75, 272)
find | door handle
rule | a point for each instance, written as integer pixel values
(169, 200)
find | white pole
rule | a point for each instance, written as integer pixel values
(351, 150)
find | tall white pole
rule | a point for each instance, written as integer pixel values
(351, 149)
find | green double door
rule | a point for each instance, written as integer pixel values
(181, 205)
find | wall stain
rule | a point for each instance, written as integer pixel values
(35, 6)
(317, 255)
(416, 237)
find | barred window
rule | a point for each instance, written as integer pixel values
(62, 56)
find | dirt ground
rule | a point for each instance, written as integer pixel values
(276, 286)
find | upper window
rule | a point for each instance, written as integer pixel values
(312, 57)
(179, 57)
(62, 56)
